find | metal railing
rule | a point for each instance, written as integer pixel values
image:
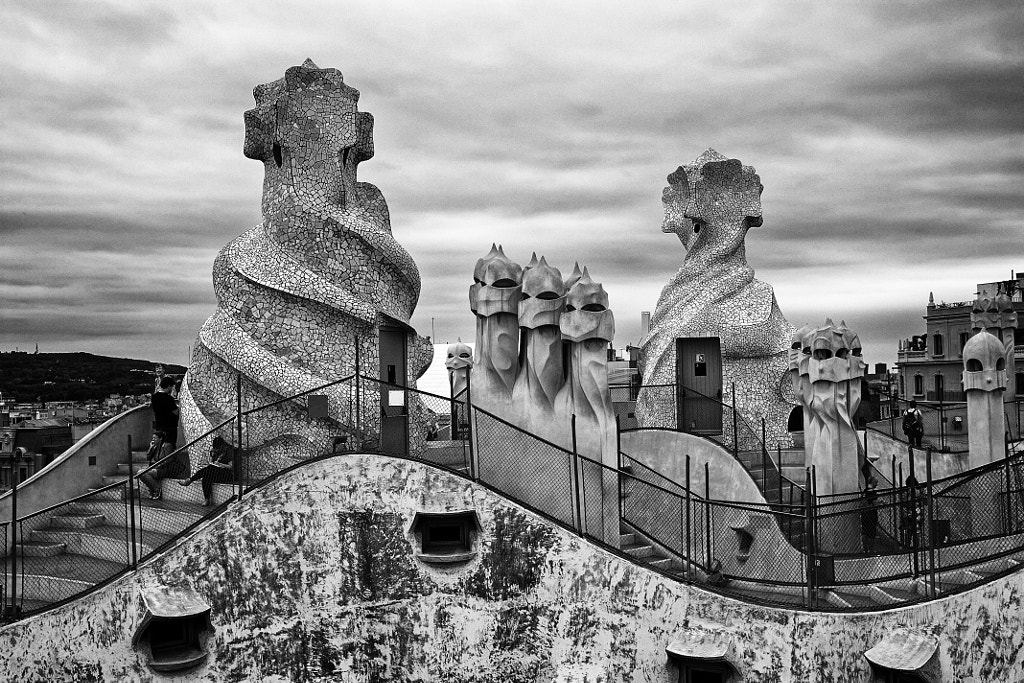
(735, 433)
(917, 534)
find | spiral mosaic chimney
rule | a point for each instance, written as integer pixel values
(321, 271)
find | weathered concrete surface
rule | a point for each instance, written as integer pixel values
(313, 579)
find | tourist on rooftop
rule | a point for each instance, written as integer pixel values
(220, 469)
(164, 439)
(869, 518)
(913, 425)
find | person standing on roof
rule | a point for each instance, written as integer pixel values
(913, 425)
(165, 436)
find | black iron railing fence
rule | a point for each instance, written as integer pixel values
(794, 549)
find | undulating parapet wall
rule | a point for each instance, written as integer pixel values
(322, 270)
(322, 576)
(710, 204)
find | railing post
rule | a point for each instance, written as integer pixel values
(735, 431)
(893, 407)
(809, 537)
(618, 441)
(474, 447)
(778, 455)
(707, 514)
(895, 484)
(134, 558)
(930, 529)
(1008, 527)
(238, 451)
(689, 555)
(576, 479)
(14, 533)
(764, 460)
(942, 426)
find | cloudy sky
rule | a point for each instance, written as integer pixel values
(889, 138)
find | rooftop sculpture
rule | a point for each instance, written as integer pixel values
(542, 365)
(710, 204)
(321, 270)
(827, 381)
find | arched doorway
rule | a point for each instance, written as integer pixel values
(795, 426)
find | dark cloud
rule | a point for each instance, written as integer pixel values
(888, 137)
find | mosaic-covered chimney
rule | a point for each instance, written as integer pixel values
(321, 274)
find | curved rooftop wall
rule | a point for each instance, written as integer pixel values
(317, 576)
(71, 473)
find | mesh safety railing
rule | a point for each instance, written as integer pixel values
(792, 550)
(4, 586)
(656, 407)
(944, 424)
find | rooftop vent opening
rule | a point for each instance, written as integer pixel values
(173, 630)
(446, 537)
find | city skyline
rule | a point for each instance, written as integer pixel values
(888, 140)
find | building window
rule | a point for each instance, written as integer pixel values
(937, 349)
(1020, 383)
(918, 385)
(940, 387)
(903, 386)
(964, 336)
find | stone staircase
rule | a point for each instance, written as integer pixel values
(901, 591)
(646, 552)
(86, 542)
(452, 454)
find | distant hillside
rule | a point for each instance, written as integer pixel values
(75, 376)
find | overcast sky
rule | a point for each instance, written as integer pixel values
(889, 138)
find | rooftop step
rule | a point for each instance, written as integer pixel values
(995, 566)
(77, 521)
(101, 542)
(137, 466)
(172, 491)
(660, 562)
(47, 581)
(160, 516)
(842, 598)
(638, 550)
(40, 548)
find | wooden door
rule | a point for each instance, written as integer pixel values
(699, 384)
